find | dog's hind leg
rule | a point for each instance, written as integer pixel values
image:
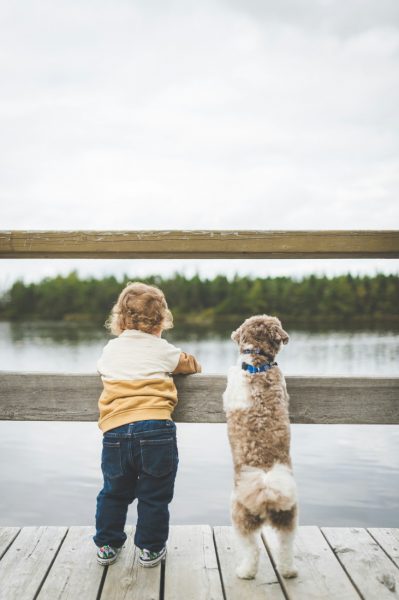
(285, 524)
(246, 527)
(249, 555)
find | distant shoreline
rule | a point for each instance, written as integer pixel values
(222, 327)
(313, 301)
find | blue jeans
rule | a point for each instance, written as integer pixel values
(138, 460)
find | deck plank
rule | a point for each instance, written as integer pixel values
(59, 563)
(388, 539)
(372, 572)
(320, 576)
(126, 579)
(75, 572)
(7, 536)
(191, 569)
(266, 583)
(25, 564)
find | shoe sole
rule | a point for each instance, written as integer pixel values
(152, 563)
(106, 561)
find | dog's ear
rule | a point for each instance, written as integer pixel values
(236, 335)
(281, 335)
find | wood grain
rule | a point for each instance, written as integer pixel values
(75, 572)
(7, 536)
(127, 580)
(200, 244)
(265, 584)
(388, 539)
(25, 564)
(74, 397)
(370, 569)
(320, 576)
(191, 568)
(344, 564)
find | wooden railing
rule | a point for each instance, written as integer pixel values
(70, 397)
(67, 397)
(199, 244)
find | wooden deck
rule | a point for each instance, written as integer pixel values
(334, 563)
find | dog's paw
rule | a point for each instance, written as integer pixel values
(245, 571)
(288, 572)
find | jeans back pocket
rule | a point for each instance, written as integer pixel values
(111, 459)
(157, 456)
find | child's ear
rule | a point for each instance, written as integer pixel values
(235, 336)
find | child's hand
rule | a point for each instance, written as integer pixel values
(187, 365)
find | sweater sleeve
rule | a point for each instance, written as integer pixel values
(187, 365)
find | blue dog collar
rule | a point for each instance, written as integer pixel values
(252, 369)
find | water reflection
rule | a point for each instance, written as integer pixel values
(76, 347)
(51, 474)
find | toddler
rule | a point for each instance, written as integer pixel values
(139, 454)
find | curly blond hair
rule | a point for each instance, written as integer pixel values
(139, 306)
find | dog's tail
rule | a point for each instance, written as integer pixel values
(260, 490)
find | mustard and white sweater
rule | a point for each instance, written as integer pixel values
(134, 369)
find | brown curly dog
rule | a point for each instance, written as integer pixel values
(256, 406)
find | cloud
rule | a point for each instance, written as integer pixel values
(343, 19)
(225, 115)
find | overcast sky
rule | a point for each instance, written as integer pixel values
(220, 114)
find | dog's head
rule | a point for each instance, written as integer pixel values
(261, 332)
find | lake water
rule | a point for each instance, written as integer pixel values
(347, 475)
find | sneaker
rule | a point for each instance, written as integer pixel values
(106, 555)
(150, 559)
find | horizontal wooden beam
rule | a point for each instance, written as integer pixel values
(199, 244)
(73, 397)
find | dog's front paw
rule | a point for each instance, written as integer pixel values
(288, 571)
(245, 571)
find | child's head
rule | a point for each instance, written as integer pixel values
(140, 306)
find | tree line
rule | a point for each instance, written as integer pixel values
(203, 300)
